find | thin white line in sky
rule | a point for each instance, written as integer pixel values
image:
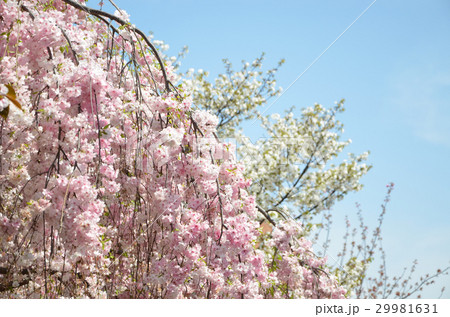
(318, 57)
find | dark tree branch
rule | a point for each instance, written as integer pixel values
(70, 46)
(305, 169)
(315, 206)
(266, 214)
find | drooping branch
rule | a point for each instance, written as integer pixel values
(75, 56)
(98, 13)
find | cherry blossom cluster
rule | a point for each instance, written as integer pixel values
(295, 163)
(113, 186)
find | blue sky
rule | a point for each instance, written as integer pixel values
(392, 67)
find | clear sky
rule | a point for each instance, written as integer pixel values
(392, 67)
